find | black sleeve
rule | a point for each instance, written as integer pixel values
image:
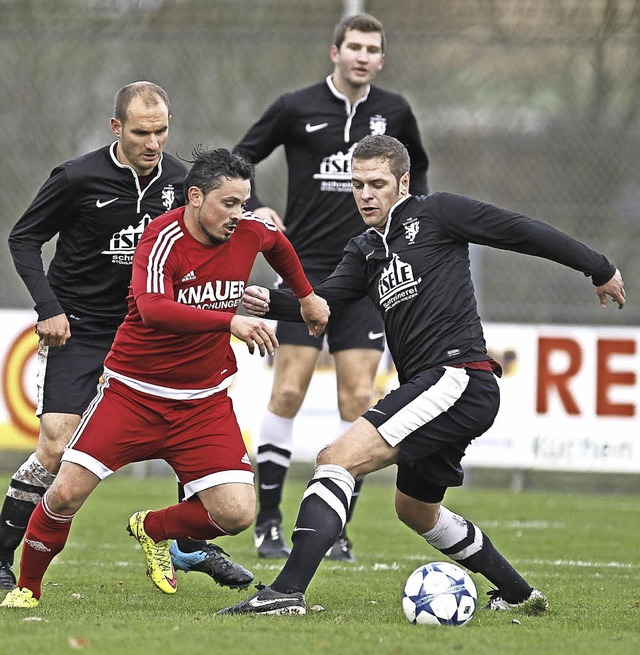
(343, 287)
(418, 185)
(478, 222)
(269, 132)
(43, 219)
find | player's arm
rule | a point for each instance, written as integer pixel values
(43, 219)
(343, 287)
(262, 138)
(485, 224)
(281, 256)
(418, 184)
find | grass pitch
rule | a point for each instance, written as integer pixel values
(581, 550)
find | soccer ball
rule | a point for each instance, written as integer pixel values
(439, 593)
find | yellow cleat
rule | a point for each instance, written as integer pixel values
(159, 566)
(20, 597)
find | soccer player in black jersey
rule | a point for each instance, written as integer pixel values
(413, 263)
(98, 205)
(319, 127)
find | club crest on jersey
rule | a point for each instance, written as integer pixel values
(411, 229)
(378, 125)
(397, 284)
(123, 243)
(168, 196)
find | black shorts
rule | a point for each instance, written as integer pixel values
(68, 375)
(432, 419)
(357, 326)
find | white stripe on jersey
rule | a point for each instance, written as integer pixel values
(250, 216)
(158, 256)
(428, 405)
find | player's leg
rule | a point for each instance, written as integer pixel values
(356, 339)
(461, 540)
(66, 381)
(197, 555)
(355, 378)
(48, 529)
(292, 370)
(28, 485)
(218, 487)
(322, 516)
(455, 406)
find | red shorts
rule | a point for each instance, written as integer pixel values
(199, 439)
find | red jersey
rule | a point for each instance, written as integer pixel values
(175, 339)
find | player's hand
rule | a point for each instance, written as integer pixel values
(256, 300)
(315, 313)
(54, 331)
(614, 288)
(254, 332)
(271, 215)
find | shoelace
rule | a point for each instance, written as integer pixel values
(214, 549)
(162, 555)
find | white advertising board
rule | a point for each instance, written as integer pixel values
(570, 397)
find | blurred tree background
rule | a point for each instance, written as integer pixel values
(528, 104)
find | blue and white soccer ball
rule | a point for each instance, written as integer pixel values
(439, 593)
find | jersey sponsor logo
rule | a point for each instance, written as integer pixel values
(411, 229)
(335, 172)
(219, 294)
(397, 284)
(314, 128)
(103, 203)
(168, 196)
(378, 124)
(123, 243)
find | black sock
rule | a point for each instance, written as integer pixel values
(465, 543)
(488, 561)
(14, 518)
(273, 465)
(322, 516)
(188, 545)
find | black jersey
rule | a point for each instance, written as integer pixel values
(418, 275)
(96, 207)
(319, 127)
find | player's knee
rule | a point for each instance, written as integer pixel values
(237, 521)
(354, 403)
(63, 498)
(286, 400)
(416, 515)
(51, 444)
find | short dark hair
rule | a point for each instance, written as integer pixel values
(210, 166)
(387, 148)
(362, 23)
(151, 95)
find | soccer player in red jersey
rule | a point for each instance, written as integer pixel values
(164, 394)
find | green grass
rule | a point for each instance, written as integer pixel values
(582, 550)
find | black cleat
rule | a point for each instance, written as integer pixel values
(341, 550)
(535, 603)
(268, 601)
(7, 578)
(269, 540)
(212, 561)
